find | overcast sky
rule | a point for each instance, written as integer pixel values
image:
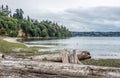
(77, 15)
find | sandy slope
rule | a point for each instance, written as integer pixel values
(11, 39)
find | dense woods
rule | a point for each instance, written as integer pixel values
(15, 24)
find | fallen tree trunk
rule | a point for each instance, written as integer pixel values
(59, 57)
(74, 70)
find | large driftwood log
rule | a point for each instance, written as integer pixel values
(75, 70)
(73, 58)
(63, 56)
(68, 57)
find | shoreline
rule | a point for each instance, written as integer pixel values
(17, 62)
(46, 47)
(17, 39)
(11, 39)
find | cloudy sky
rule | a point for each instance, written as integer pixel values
(77, 15)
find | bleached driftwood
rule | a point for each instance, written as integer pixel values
(75, 70)
(65, 57)
(68, 57)
(73, 58)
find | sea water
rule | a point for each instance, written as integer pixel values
(99, 47)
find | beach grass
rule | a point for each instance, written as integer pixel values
(103, 62)
(39, 47)
(32, 52)
(9, 47)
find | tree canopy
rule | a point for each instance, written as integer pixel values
(17, 25)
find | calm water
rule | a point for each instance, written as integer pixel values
(99, 47)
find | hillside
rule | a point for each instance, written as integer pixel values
(15, 24)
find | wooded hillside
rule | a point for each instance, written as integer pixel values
(14, 24)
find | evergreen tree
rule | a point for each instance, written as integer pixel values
(19, 14)
(28, 18)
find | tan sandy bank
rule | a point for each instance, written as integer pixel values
(11, 39)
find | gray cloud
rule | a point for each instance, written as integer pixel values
(89, 19)
(79, 19)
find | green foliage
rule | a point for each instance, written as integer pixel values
(10, 26)
(5, 10)
(44, 33)
(19, 14)
(2, 31)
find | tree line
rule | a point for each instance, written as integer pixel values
(16, 24)
(96, 34)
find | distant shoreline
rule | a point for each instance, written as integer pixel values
(96, 34)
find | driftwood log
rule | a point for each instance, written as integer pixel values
(65, 57)
(68, 57)
(73, 70)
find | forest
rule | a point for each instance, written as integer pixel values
(16, 25)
